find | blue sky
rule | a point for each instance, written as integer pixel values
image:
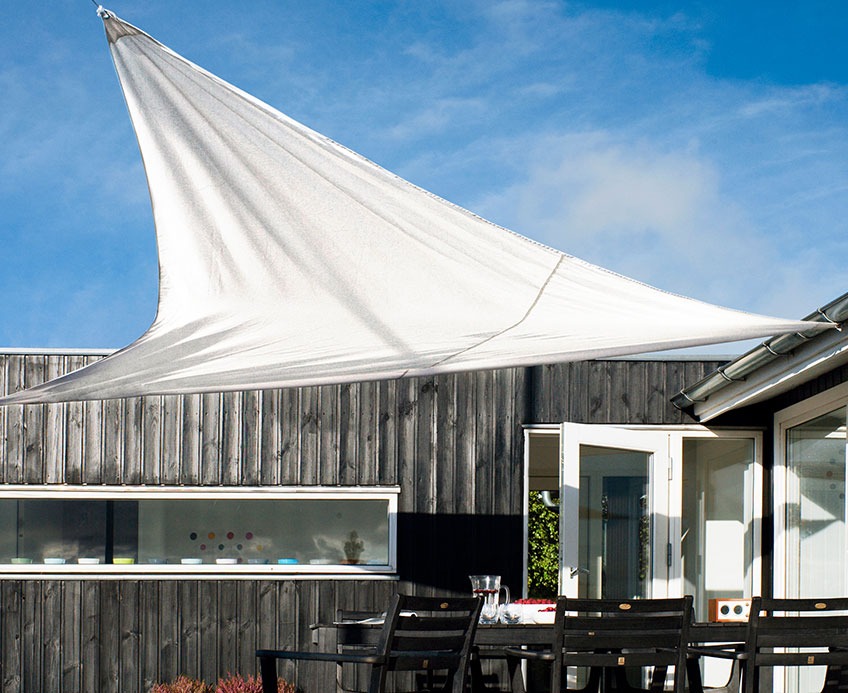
(699, 147)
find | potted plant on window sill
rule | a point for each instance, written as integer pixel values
(353, 548)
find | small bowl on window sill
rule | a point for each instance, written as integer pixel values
(88, 561)
(52, 560)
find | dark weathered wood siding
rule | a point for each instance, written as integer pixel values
(453, 444)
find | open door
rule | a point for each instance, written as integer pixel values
(614, 512)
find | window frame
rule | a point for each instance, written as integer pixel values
(209, 571)
(785, 419)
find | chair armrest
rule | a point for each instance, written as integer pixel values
(339, 657)
(537, 655)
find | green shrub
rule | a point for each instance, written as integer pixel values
(543, 548)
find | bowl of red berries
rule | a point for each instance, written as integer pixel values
(537, 610)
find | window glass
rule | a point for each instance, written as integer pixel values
(716, 536)
(815, 455)
(197, 531)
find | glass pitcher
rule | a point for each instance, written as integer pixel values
(489, 588)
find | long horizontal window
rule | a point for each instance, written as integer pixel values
(323, 530)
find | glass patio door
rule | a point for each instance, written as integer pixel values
(613, 512)
(656, 512)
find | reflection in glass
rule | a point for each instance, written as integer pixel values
(815, 509)
(715, 533)
(615, 528)
(196, 531)
(815, 519)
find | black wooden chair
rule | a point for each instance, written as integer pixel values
(348, 676)
(793, 633)
(610, 637)
(419, 634)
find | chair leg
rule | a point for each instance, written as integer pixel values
(268, 670)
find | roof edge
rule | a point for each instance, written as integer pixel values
(782, 346)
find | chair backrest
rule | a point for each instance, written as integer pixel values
(818, 626)
(427, 634)
(613, 634)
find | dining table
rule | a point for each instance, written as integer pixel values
(490, 641)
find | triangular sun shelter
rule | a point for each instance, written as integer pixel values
(286, 259)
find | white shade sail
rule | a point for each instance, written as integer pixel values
(286, 259)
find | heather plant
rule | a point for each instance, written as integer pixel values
(234, 683)
(182, 684)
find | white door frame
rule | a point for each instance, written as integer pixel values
(673, 435)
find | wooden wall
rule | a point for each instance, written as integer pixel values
(452, 443)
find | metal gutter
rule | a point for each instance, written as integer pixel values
(835, 313)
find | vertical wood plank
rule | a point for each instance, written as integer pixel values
(271, 450)
(149, 606)
(51, 644)
(54, 430)
(598, 392)
(190, 440)
(445, 444)
(113, 439)
(90, 638)
(31, 635)
(620, 401)
(172, 428)
(655, 392)
(208, 622)
(228, 626)
(387, 443)
(15, 423)
(251, 438)
(247, 598)
(169, 630)
(130, 645)
(109, 636)
(92, 470)
(268, 614)
(309, 435)
(190, 652)
(499, 468)
(425, 444)
(231, 403)
(33, 464)
(289, 437)
(366, 426)
(636, 378)
(287, 624)
(407, 424)
(72, 650)
(328, 435)
(210, 446)
(11, 598)
(74, 430)
(4, 364)
(131, 472)
(151, 446)
(348, 436)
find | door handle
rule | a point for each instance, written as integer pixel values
(575, 571)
